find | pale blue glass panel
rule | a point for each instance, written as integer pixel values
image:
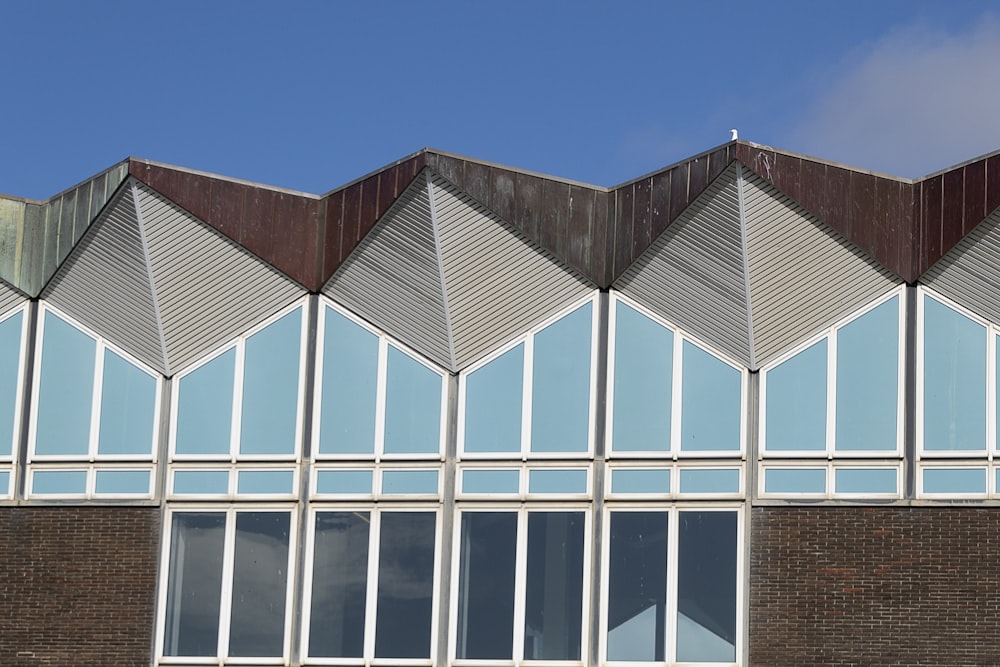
(66, 391)
(128, 403)
(955, 480)
(710, 402)
(557, 481)
(350, 379)
(706, 586)
(954, 380)
(409, 481)
(710, 481)
(796, 402)
(265, 482)
(640, 481)
(271, 387)
(868, 380)
(52, 482)
(997, 481)
(412, 406)
(352, 482)
(10, 357)
(637, 586)
(132, 482)
(643, 371)
(260, 571)
(560, 404)
(490, 481)
(866, 480)
(194, 584)
(205, 407)
(795, 480)
(4, 482)
(200, 482)
(493, 397)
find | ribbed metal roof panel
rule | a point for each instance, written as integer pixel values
(209, 290)
(804, 276)
(498, 283)
(970, 274)
(105, 283)
(10, 299)
(693, 274)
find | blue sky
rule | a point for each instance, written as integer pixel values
(310, 95)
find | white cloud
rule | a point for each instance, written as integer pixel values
(919, 100)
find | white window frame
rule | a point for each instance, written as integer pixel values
(523, 492)
(9, 455)
(674, 469)
(830, 470)
(91, 472)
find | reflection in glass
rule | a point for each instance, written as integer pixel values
(66, 390)
(128, 403)
(205, 407)
(194, 584)
(954, 380)
(710, 402)
(554, 587)
(868, 380)
(405, 585)
(955, 480)
(486, 586)
(706, 587)
(260, 575)
(560, 402)
(796, 402)
(493, 404)
(795, 480)
(643, 370)
(271, 387)
(350, 376)
(412, 406)
(10, 359)
(637, 586)
(340, 579)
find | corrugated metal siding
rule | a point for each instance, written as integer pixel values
(10, 299)
(803, 275)
(498, 283)
(693, 274)
(105, 284)
(393, 277)
(209, 290)
(970, 273)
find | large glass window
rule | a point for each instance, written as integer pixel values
(12, 328)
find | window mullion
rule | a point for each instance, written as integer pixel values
(237, 419)
(520, 585)
(381, 391)
(526, 396)
(226, 597)
(670, 632)
(371, 594)
(831, 395)
(95, 404)
(676, 382)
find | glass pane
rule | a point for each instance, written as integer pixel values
(954, 380)
(412, 406)
(486, 586)
(706, 587)
(350, 378)
(560, 403)
(10, 359)
(557, 481)
(637, 586)
(643, 370)
(726, 480)
(5, 483)
(796, 402)
(410, 481)
(795, 480)
(128, 403)
(493, 397)
(866, 480)
(205, 407)
(344, 481)
(405, 585)
(260, 575)
(194, 584)
(59, 482)
(201, 482)
(640, 481)
(490, 481)
(710, 402)
(955, 480)
(554, 588)
(868, 380)
(131, 482)
(66, 390)
(265, 482)
(340, 580)
(271, 387)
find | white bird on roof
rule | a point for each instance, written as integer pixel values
(736, 135)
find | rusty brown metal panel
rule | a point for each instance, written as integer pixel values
(624, 217)
(930, 212)
(697, 177)
(838, 206)
(386, 190)
(228, 200)
(449, 167)
(502, 193)
(952, 208)
(891, 230)
(554, 225)
(863, 211)
(351, 221)
(814, 193)
(477, 182)
(527, 214)
(194, 193)
(333, 226)
(992, 183)
(975, 196)
(295, 237)
(641, 223)
(369, 205)
(678, 191)
(258, 222)
(601, 246)
(718, 160)
(659, 204)
(785, 175)
(579, 226)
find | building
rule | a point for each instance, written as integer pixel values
(740, 411)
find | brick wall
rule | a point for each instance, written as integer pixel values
(77, 585)
(875, 586)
